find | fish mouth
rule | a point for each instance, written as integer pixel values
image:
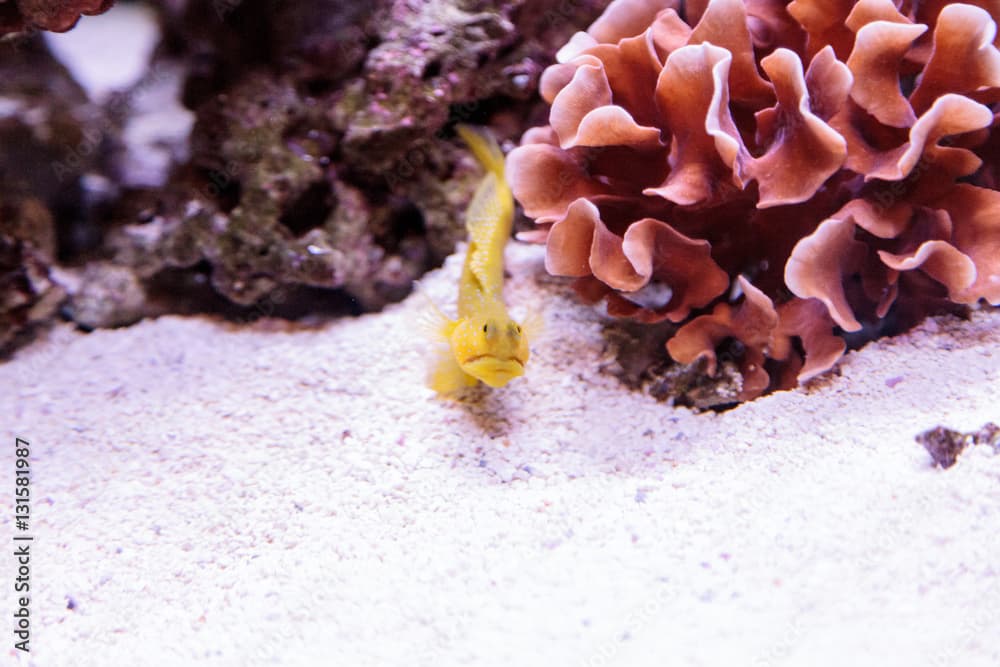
(480, 357)
(492, 370)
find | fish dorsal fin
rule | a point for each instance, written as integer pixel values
(490, 214)
(484, 146)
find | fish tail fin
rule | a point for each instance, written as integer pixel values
(484, 146)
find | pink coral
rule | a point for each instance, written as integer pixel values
(57, 16)
(782, 172)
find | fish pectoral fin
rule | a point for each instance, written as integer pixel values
(533, 325)
(431, 320)
(447, 377)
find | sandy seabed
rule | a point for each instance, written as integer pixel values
(205, 493)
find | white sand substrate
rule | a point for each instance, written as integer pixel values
(206, 493)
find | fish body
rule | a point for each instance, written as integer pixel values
(484, 343)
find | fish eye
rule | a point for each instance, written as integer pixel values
(485, 327)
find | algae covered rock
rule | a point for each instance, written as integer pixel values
(325, 159)
(320, 165)
(28, 295)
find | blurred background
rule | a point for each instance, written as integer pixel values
(247, 158)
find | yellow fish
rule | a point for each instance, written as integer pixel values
(484, 343)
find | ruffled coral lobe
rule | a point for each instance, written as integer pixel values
(777, 173)
(57, 16)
